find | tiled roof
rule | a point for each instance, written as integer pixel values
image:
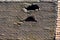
(29, 0)
(43, 29)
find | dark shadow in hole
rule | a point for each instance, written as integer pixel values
(30, 18)
(54, 38)
(32, 7)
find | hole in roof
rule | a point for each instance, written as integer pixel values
(32, 7)
(30, 18)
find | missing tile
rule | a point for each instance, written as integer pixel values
(30, 18)
(33, 7)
